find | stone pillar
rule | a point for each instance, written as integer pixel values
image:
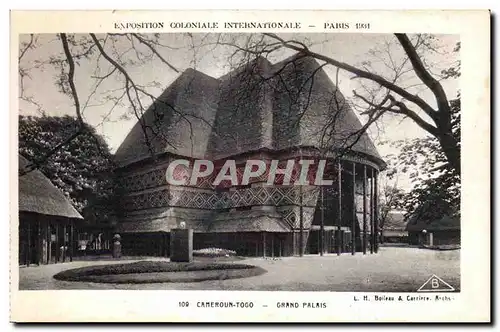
(117, 246)
(181, 245)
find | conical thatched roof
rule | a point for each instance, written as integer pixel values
(257, 106)
(179, 122)
(38, 195)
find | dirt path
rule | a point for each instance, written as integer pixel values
(392, 269)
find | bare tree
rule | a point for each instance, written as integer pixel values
(113, 56)
(384, 94)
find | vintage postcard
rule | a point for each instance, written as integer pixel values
(250, 166)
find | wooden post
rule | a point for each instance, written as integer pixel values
(264, 244)
(354, 216)
(163, 246)
(339, 221)
(376, 212)
(364, 210)
(371, 213)
(64, 244)
(28, 251)
(272, 245)
(57, 242)
(167, 244)
(39, 242)
(71, 241)
(342, 240)
(49, 242)
(279, 243)
(331, 242)
(322, 228)
(301, 219)
(245, 247)
(374, 220)
(318, 243)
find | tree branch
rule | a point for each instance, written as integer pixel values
(143, 41)
(28, 46)
(424, 75)
(403, 109)
(363, 74)
(71, 76)
(128, 82)
(398, 107)
(33, 165)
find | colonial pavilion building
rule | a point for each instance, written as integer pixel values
(282, 111)
(47, 220)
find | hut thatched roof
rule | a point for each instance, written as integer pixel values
(444, 223)
(247, 221)
(38, 195)
(203, 117)
(395, 221)
(163, 220)
(200, 221)
(434, 216)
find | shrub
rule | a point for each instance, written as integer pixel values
(214, 252)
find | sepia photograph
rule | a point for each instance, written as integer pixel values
(241, 161)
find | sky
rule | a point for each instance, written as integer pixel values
(184, 51)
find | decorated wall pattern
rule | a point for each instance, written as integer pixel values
(291, 216)
(148, 190)
(267, 195)
(134, 182)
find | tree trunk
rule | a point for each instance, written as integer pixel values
(451, 150)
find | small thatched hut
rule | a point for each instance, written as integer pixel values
(425, 230)
(394, 230)
(46, 220)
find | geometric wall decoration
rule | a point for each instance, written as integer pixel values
(210, 200)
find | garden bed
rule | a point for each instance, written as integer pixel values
(443, 247)
(214, 252)
(157, 272)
